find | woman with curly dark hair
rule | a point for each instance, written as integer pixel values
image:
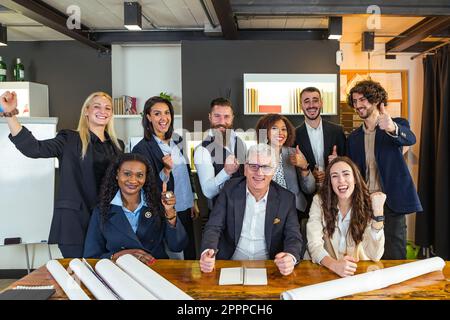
(130, 219)
(345, 221)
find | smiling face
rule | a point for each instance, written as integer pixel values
(131, 177)
(160, 118)
(311, 104)
(99, 111)
(342, 180)
(362, 106)
(258, 179)
(278, 134)
(221, 118)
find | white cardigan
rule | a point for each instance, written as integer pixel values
(319, 242)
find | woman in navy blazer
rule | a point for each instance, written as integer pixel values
(130, 218)
(83, 154)
(164, 150)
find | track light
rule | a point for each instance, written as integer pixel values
(132, 16)
(334, 28)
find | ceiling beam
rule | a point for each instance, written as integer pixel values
(416, 33)
(120, 37)
(341, 7)
(50, 17)
(226, 19)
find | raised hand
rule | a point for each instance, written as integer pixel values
(168, 164)
(333, 154)
(208, 261)
(378, 199)
(168, 199)
(385, 121)
(297, 159)
(231, 164)
(8, 100)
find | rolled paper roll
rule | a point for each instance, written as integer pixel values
(65, 281)
(368, 281)
(150, 279)
(95, 286)
(121, 282)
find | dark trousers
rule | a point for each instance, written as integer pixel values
(186, 220)
(71, 251)
(395, 235)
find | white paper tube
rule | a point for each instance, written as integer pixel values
(151, 280)
(95, 286)
(368, 281)
(122, 283)
(65, 281)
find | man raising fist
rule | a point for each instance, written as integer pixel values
(376, 147)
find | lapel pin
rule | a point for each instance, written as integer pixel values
(276, 221)
(148, 214)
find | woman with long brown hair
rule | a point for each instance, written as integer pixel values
(345, 221)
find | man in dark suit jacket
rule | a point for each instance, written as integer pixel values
(376, 147)
(254, 218)
(319, 140)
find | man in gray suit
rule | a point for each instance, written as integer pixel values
(253, 218)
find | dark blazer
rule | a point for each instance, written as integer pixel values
(104, 238)
(333, 134)
(77, 192)
(224, 226)
(150, 150)
(396, 181)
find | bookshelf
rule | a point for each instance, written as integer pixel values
(280, 93)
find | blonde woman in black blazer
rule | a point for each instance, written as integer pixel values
(83, 155)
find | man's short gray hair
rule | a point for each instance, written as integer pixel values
(265, 150)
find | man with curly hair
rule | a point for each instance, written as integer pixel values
(376, 147)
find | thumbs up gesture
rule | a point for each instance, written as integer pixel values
(297, 159)
(384, 120)
(333, 154)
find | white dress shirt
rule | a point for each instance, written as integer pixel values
(316, 140)
(209, 182)
(252, 242)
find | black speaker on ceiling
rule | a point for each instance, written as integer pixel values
(367, 41)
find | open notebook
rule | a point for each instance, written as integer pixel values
(243, 275)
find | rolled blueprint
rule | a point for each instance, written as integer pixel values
(151, 280)
(122, 283)
(65, 281)
(95, 286)
(368, 281)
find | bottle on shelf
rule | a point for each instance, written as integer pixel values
(19, 71)
(2, 70)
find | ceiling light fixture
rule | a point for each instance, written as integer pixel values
(334, 28)
(132, 16)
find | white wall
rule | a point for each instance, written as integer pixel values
(354, 59)
(146, 70)
(143, 71)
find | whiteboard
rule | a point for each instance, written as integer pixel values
(26, 185)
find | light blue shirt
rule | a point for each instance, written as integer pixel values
(182, 189)
(132, 216)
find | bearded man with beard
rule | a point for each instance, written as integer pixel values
(221, 154)
(319, 140)
(377, 149)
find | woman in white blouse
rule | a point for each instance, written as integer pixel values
(345, 222)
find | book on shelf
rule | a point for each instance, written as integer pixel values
(124, 105)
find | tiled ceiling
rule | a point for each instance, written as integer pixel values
(108, 15)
